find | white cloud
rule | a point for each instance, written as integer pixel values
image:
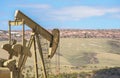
(80, 12)
(68, 13)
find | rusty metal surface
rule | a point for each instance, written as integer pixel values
(4, 72)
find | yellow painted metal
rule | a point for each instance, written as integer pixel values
(41, 56)
(16, 23)
(9, 32)
(4, 73)
(33, 25)
(54, 43)
(24, 50)
(53, 38)
(35, 58)
(10, 64)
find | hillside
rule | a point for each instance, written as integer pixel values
(90, 52)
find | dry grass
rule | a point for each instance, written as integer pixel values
(79, 51)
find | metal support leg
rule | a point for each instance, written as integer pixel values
(35, 59)
(9, 32)
(41, 56)
(11, 74)
(23, 58)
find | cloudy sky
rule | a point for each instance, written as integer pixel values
(75, 14)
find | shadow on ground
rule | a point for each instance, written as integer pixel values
(107, 73)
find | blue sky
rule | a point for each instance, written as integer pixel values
(64, 14)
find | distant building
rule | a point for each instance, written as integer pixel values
(17, 34)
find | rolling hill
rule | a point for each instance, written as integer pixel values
(100, 52)
(91, 51)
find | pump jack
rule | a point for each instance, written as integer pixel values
(23, 50)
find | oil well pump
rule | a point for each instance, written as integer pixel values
(22, 51)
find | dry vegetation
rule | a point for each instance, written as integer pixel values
(84, 51)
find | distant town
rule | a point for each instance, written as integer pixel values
(68, 33)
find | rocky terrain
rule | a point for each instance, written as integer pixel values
(70, 33)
